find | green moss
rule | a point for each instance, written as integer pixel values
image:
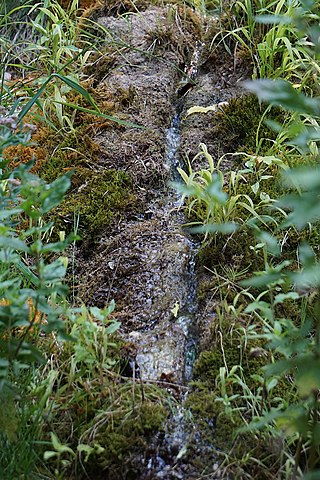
(216, 427)
(230, 351)
(125, 438)
(75, 150)
(234, 250)
(239, 123)
(99, 200)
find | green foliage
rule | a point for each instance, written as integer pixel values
(53, 55)
(280, 51)
(109, 415)
(32, 287)
(291, 342)
(21, 424)
(215, 198)
(34, 440)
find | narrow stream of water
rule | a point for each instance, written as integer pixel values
(168, 350)
(165, 465)
(186, 316)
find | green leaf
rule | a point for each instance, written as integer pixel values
(281, 297)
(54, 193)
(226, 228)
(282, 93)
(49, 454)
(4, 214)
(107, 311)
(308, 374)
(255, 187)
(59, 448)
(33, 100)
(274, 19)
(260, 306)
(112, 328)
(54, 271)
(13, 243)
(86, 449)
(215, 190)
(77, 88)
(99, 114)
(28, 274)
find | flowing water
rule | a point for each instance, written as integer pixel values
(164, 464)
(164, 356)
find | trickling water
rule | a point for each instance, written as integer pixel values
(178, 434)
(168, 350)
(172, 147)
(185, 320)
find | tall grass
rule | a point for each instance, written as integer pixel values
(42, 63)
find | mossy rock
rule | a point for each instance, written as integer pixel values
(233, 353)
(124, 439)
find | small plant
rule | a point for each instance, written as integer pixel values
(32, 287)
(218, 210)
(281, 51)
(53, 46)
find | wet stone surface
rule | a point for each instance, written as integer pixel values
(146, 261)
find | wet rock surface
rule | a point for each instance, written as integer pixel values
(146, 262)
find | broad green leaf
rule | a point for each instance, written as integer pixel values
(48, 454)
(53, 272)
(255, 187)
(281, 297)
(112, 328)
(282, 93)
(308, 374)
(13, 243)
